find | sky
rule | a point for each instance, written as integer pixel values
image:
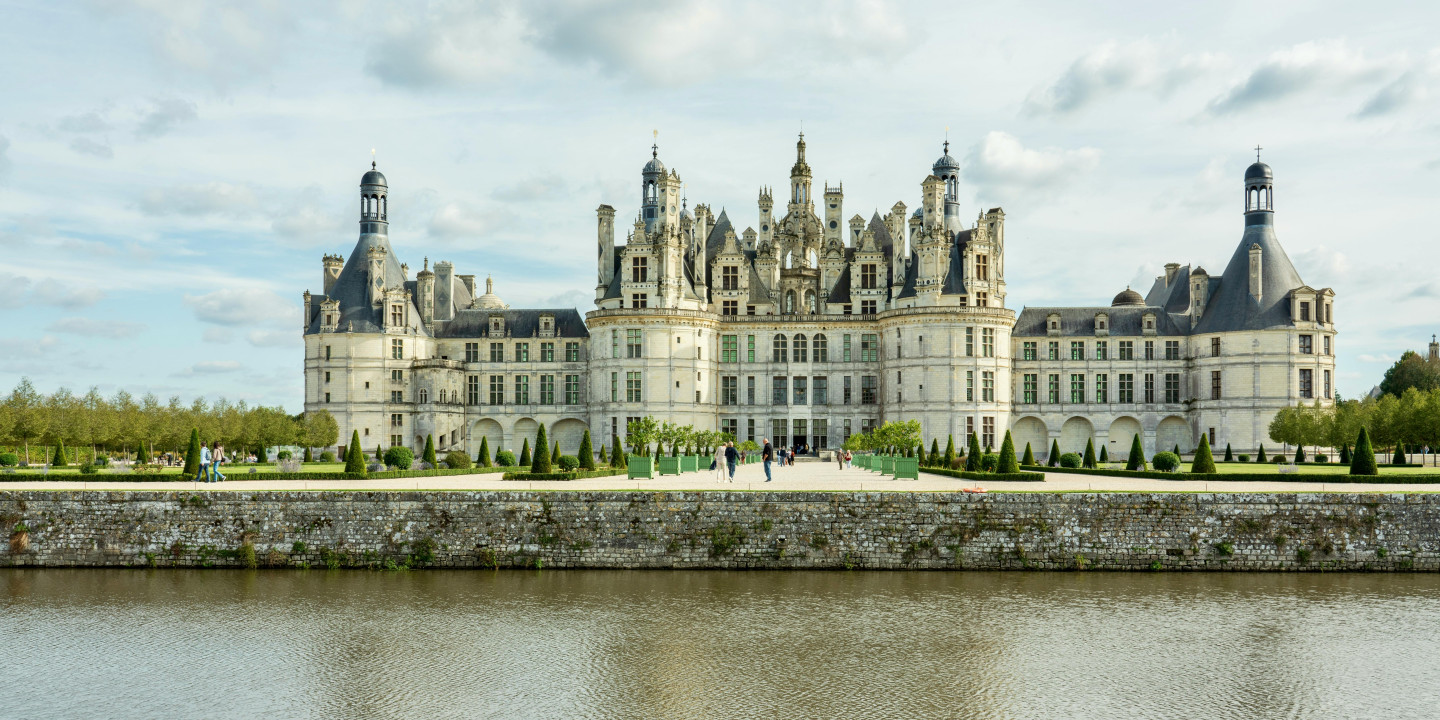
(171, 173)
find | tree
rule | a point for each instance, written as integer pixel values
(1054, 459)
(525, 458)
(428, 455)
(1362, 461)
(934, 452)
(1344, 454)
(59, 459)
(615, 451)
(587, 453)
(555, 454)
(27, 413)
(1007, 456)
(949, 452)
(1136, 461)
(1299, 454)
(354, 456)
(641, 432)
(1029, 459)
(192, 455)
(541, 462)
(1398, 457)
(1260, 456)
(1410, 371)
(1104, 455)
(321, 429)
(1176, 450)
(1089, 459)
(604, 457)
(142, 455)
(308, 457)
(972, 454)
(482, 458)
(1229, 456)
(1204, 462)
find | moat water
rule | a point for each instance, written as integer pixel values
(614, 644)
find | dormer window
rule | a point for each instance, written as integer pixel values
(1304, 310)
(547, 326)
(1149, 324)
(1102, 324)
(497, 325)
(1052, 324)
(730, 278)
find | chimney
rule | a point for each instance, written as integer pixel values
(469, 282)
(1170, 270)
(333, 265)
(1199, 292)
(1256, 268)
(444, 290)
(933, 192)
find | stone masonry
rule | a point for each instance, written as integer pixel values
(723, 530)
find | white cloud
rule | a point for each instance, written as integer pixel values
(1312, 66)
(273, 338)
(549, 187)
(1000, 165)
(164, 115)
(95, 148)
(59, 294)
(213, 367)
(217, 336)
(1380, 358)
(1113, 68)
(14, 291)
(4, 158)
(90, 122)
(453, 221)
(241, 307)
(198, 199)
(88, 327)
(225, 44)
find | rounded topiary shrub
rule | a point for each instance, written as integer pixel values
(88, 469)
(1166, 462)
(9, 459)
(399, 457)
(1243, 457)
(1071, 460)
(327, 456)
(1280, 460)
(989, 462)
(569, 462)
(505, 458)
(457, 460)
(284, 455)
(1322, 458)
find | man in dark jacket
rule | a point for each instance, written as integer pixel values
(767, 454)
(732, 456)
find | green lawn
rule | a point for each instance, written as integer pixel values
(1326, 469)
(226, 469)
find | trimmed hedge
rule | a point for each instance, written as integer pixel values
(1412, 479)
(577, 475)
(241, 477)
(998, 477)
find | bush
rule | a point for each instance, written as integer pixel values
(327, 457)
(989, 462)
(428, 454)
(284, 455)
(541, 462)
(9, 459)
(1243, 457)
(354, 457)
(505, 458)
(88, 469)
(1070, 460)
(457, 460)
(1166, 462)
(1362, 458)
(525, 458)
(308, 457)
(192, 455)
(399, 457)
(569, 462)
(422, 465)
(1322, 458)
(1280, 460)
(958, 463)
(375, 467)
(1136, 460)
(59, 459)
(586, 454)
(1007, 463)
(289, 465)
(482, 459)
(1203, 462)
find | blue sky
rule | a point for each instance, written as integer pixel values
(171, 173)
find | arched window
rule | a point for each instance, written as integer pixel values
(1253, 202)
(424, 395)
(800, 350)
(790, 302)
(384, 204)
(819, 348)
(810, 301)
(778, 349)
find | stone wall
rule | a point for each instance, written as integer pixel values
(1122, 531)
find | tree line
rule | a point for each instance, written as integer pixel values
(1410, 420)
(123, 423)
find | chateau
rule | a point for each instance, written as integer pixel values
(813, 328)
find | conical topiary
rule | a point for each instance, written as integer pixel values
(1362, 460)
(308, 457)
(1229, 457)
(379, 455)
(482, 459)
(934, 452)
(1344, 453)
(604, 457)
(1204, 462)
(525, 458)
(58, 460)
(1104, 455)
(1398, 458)
(1260, 456)
(555, 454)
(972, 455)
(1029, 458)
(143, 456)
(1008, 463)
(354, 456)
(541, 462)
(616, 452)
(428, 455)
(1176, 450)
(1054, 459)
(1089, 459)
(949, 459)
(1136, 461)
(1300, 454)
(587, 453)
(192, 455)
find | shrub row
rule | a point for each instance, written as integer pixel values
(1412, 479)
(576, 475)
(997, 477)
(382, 475)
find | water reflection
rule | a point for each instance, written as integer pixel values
(169, 643)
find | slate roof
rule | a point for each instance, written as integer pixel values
(351, 291)
(841, 292)
(1231, 306)
(518, 323)
(1124, 321)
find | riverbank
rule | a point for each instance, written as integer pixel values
(735, 530)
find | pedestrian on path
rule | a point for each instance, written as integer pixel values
(767, 454)
(720, 462)
(731, 457)
(840, 458)
(216, 458)
(204, 475)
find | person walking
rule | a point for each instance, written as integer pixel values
(767, 453)
(204, 475)
(216, 458)
(840, 458)
(720, 462)
(732, 456)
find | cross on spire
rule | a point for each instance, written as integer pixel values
(1257, 152)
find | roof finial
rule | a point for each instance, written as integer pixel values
(489, 285)
(427, 263)
(655, 149)
(372, 158)
(1257, 152)
(947, 139)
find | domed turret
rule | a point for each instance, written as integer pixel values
(1127, 297)
(490, 301)
(1259, 193)
(947, 169)
(374, 205)
(1258, 170)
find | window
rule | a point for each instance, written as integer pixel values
(639, 300)
(729, 307)
(398, 396)
(749, 309)
(632, 343)
(1172, 387)
(1127, 388)
(1127, 349)
(497, 352)
(982, 299)
(397, 315)
(397, 420)
(969, 386)
(522, 352)
(987, 432)
(800, 387)
(572, 352)
(800, 348)
(396, 440)
(639, 269)
(1214, 384)
(730, 279)
(969, 342)
(1149, 349)
(327, 352)
(778, 351)
(397, 349)
(729, 390)
(1215, 347)
(1149, 388)
(1304, 311)
(547, 389)
(778, 430)
(1077, 388)
(845, 348)
(472, 352)
(869, 347)
(632, 387)
(867, 307)
(1327, 383)
(1102, 388)
(614, 343)
(397, 376)
(472, 390)
(819, 349)
(750, 348)
(547, 352)
(1307, 345)
(1102, 349)
(987, 386)
(846, 432)
(969, 428)
(867, 278)
(1077, 350)
(614, 387)
(987, 342)
(822, 390)
(982, 267)
(750, 390)
(497, 389)
(1029, 351)
(522, 389)
(1307, 383)
(1054, 389)
(1327, 344)
(1052, 351)
(327, 397)
(729, 348)
(1030, 389)
(867, 389)
(1172, 349)
(845, 398)
(749, 429)
(779, 390)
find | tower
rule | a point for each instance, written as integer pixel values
(605, 240)
(1259, 193)
(425, 284)
(834, 200)
(652, 181)
(799, 179)
(374, 210)
(767, 216)
(948, 170)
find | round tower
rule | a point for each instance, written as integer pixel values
(1259, 193)
(374, 210)
(947, 169)
(651, 178)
